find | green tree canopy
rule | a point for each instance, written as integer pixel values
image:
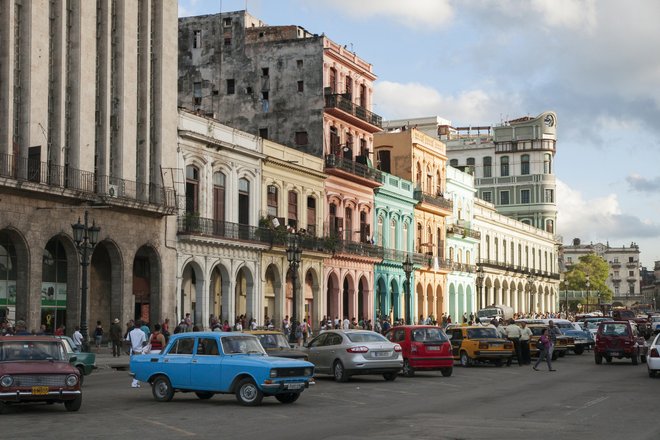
(597, 269)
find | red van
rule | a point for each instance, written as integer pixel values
(424, 347)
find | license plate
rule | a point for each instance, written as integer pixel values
(39, 391)
(294, 386)
(495, 345)
(433, 348)
(381, 353)
(615, 353)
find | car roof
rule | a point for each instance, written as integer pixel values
(208, 334)
(30, 338)
(414, 327)
(261, 332)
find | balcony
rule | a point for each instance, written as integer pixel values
(437, 200)
(358, 115)
(33, 175)
(350, 169)
(615, 264)
(463, 232)
(522, 270)
(397, 256)
(631, 264)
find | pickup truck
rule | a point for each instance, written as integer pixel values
(643, 325)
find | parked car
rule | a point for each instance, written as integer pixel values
(643, 326)
(591, 324)
(37, 369)
(562, 343)
(653, 359)
(654, 322)
(473, 344)
(423, 347)
(619, 339)
(275, 344)
(346, 353)
(582, 339)
(209, 363)
(84, 362)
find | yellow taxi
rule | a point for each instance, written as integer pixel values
(473, 344)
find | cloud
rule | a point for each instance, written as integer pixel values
(643, 184)
(598, 219)
(407, 100)
(416, 14)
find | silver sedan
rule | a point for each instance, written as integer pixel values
(346, 353)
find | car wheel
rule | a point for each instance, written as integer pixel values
(498, 362)
(82, 375)
(204, 395)
(651, 373)
(390, 376)
(608, 359)
(562, 354)
(446, 372)
(643, 358)
(161, 388)
(339, 372)
(578, 350)
(408, 371)
(599, 358)
(509, 362)
(73, 405)
(465, 359)
(3, 407)
(555, 355)
(635, 358)
(248, 393)
(287, 397)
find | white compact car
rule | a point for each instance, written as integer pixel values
(653, 359)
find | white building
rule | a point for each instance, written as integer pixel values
(517, 263)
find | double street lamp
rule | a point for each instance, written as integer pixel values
(480, 286)
(86, 237)
(293, 253)
(408, 268)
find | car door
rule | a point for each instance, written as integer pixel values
(178, 361)
(456, 341)
(331, 350)
(205, 369)
(314, 351)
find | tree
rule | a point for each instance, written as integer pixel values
(597, 269)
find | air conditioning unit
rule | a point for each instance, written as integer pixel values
(113, 190)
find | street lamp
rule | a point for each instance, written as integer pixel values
(588, 286)
(565, 283)
(530, 283)
(408, 268)
(86, 238)
(293, 257)
(480, 286)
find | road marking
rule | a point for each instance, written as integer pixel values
(173, 428)
(590, 404)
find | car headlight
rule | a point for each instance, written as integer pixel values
(6, 381)
(71, 380)
(309, 371)
(273, 373)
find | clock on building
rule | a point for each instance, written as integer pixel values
(549, 120)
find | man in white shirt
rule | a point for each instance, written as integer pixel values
(138, 340)
(346, 324)
(77, 338)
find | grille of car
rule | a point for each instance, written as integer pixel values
(31, 380)
(290, 372)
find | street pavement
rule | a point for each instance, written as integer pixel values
(581, 400)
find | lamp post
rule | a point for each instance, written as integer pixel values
(588, 283)
(480, 286)
(408, 268)
(86, 238)
(293, 253)
(565, 283)
(530, 284)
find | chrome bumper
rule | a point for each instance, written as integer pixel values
(20, 395)
(284, 386)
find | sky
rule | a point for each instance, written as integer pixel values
(596, 63)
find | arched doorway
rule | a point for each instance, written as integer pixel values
(430, 302)
(13, 282)
(310, 295)
(192, 292)
(420, 305)
(363, 299)
(470, 301)
(60, 299)
(460, 304)
(146, 286)
(452, 311)
(105, 286)
(381, 298)
(393, 306)
(218, 289)
(272, 295)
(439, 303)
(346, 298)
(244, 293)
(332, 296)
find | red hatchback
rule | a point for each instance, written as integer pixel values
(424, 347)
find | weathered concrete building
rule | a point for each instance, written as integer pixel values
(87, 121)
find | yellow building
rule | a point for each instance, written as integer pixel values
(292, 201)
(413, 155)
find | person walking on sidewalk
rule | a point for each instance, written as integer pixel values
(115, 337)
(98, 335)
(544, 351)
(138, 340)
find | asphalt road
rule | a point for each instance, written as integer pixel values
(579, 401)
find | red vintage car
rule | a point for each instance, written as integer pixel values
(424, 347)
(37, 369)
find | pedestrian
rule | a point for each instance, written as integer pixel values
(544, 351)
(77, 338)
(138, 340)
(298, 333)
(115, 337)
(188, 322)
(305, 330)
(59, 331)
(553, 332)
(238, 326)
(225, 326)
(98, 335)
(346, 324)
(157, 339)
(525, 335)
(513, 334)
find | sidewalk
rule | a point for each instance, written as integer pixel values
(104, 358)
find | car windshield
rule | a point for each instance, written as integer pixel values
(273, 341)
(537, 331)
(366, 337)
(615, 330)
(241, 345)
(487, 313)
(31, 351)
(428, 335)
(477, 333)
(655, 318)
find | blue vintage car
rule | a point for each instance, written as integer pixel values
(207, 363)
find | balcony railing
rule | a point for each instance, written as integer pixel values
(436, 200)
(350, 166)
(400, 256)
(88, 183)
(344, 103)
(615, 264)
(631, 264)
(522, 270)
(464, 232)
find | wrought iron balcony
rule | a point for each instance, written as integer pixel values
(352, 167)
(522, 270)
(84, 184)
(345, 104)
(615, 264)
(436, 200)
(394, 255)
(464, 232)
